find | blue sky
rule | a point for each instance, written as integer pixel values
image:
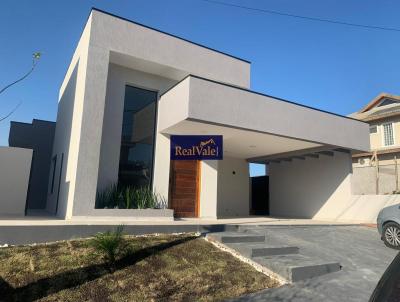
(327, 66)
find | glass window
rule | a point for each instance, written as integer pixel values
(388, 134)
(373, 129)
(137, 138)
(387, 102)
(53, 173)
(257, 169)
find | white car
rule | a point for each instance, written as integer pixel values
(388, 222)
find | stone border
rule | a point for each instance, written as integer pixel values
(255, 265)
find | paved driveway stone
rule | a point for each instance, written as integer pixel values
(358, 249)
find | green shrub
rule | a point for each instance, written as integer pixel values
(128, 197)
(110, 244)
(144, 198)
(112, 197)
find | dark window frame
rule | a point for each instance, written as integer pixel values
(59, 182)
(386, 102)
(53, 176)
(157, 98)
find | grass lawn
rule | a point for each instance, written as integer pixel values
(158, 268)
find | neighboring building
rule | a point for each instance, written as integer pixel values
(38, 136)
(381, 174)
(130, 87)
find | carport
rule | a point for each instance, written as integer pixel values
(308, 151)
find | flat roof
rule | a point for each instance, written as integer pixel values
(171, 35)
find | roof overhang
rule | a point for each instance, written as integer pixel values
(255, 126)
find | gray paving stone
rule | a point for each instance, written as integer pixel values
(358, 249)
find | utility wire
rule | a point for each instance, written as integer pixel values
(11, 112)
(302, 17)
(36, 57)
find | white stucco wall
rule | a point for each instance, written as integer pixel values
(221, 104)
(68, 128)
(233, 188)
(318, 188)
(64, 148)
(209, 188)
(15, 166)
(124, 37)
(178, 99)
(209, 102)
(91, 114)
(161, 167)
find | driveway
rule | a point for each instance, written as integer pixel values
(358, 249)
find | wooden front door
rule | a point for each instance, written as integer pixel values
(185, 187)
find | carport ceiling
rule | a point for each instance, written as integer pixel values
(240, 143)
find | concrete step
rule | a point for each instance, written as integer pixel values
(234, 237)
(297, 267)
(262, 249)
(242, 238)
(279, 250)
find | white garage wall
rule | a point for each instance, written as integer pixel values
(318, 188)
(364, 208)
(15, 167)
(233, 188)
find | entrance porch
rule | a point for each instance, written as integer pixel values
(309, 167)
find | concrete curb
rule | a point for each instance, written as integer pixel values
(28, 234)
(19, 235)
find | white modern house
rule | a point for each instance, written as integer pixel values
(129, 87)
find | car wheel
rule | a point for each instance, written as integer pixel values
(391, 235)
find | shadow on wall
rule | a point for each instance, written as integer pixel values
(58, 194)
(312, 188)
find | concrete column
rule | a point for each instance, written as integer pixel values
(209, 189)
(161, 165)
(91, 132)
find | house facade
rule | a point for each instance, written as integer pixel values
(129, 88)
(379, 165)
